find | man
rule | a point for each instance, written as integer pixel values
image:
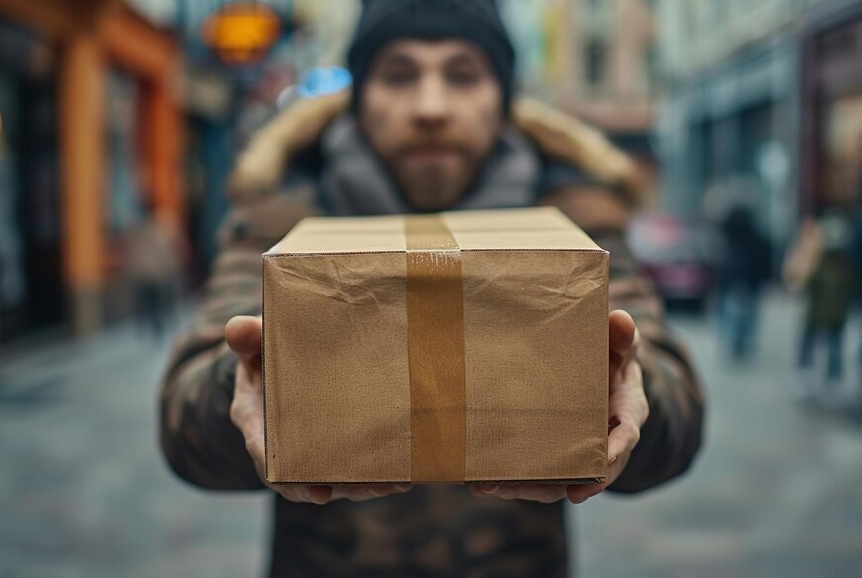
(431, 125)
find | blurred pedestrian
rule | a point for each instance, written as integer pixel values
(431, 125)
(744, 270)
(154, 267)
(823, 266)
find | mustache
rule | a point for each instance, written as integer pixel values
(424, 145)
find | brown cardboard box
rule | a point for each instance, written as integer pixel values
(452, 348)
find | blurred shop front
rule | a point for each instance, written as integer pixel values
(238, 57)
(209, 107)
(730, 134)
(30, 262)
(832, 89)
(90, 145)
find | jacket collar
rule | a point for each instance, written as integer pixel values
(261, 167)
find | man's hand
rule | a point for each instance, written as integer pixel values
(627, 411)
(243, 335)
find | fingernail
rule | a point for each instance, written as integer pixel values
(403, 487)
(378, 492)
(490, 489)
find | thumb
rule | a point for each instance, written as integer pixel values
(243, 336)
(622, 332)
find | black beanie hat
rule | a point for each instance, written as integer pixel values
(476, 21)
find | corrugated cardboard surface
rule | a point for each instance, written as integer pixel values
(337, 366)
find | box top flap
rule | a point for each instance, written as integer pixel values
(533, 229)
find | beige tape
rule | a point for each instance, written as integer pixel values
(435, 328)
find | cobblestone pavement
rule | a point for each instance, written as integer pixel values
(85, 493)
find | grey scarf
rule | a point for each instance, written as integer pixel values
(354, 182)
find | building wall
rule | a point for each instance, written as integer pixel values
(698, 34)
(594, 58)
(88, 39)
(704, 122)
(720, 59)
(831, 159)
(553, 39)
(735, 110)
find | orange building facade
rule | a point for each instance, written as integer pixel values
(90, 39)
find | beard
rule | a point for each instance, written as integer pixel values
(434, 181)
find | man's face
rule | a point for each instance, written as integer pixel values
(433, 112)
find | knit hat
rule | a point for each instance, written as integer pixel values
(476, 21)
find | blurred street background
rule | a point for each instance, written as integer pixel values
(85, 493)
(120, 122)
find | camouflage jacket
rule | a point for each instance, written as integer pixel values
(432, 531)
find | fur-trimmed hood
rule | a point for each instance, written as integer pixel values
(262, 166)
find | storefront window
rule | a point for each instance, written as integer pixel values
(12, 274)
(124, 206)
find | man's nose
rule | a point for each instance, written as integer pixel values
(432, 107)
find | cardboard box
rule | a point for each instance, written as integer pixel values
(461, 347)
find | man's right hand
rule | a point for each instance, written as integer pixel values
(243, 335)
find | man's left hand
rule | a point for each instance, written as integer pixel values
(627, 411)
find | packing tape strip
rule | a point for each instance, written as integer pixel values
(435, 329)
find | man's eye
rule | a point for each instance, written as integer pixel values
(398, 78)
(462, 78)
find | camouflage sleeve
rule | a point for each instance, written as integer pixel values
(198, 438)
(672, 434)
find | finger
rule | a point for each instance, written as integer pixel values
(628, 410)
(252, 432)
(249, 385)
(254, 442)
(545, 494)
(243, 335)
(364, 493)
(622, 439)
(616, 468)
(304, 494)
(318, 494)
(624, 340)
(484, 490)
(357, 495)
(246, 408)
(580, 493)
(383, 491)
(621, 331)
(246, 413)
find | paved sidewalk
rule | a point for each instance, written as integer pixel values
(775, 491)
(85, 493)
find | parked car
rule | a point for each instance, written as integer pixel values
(680, 255)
